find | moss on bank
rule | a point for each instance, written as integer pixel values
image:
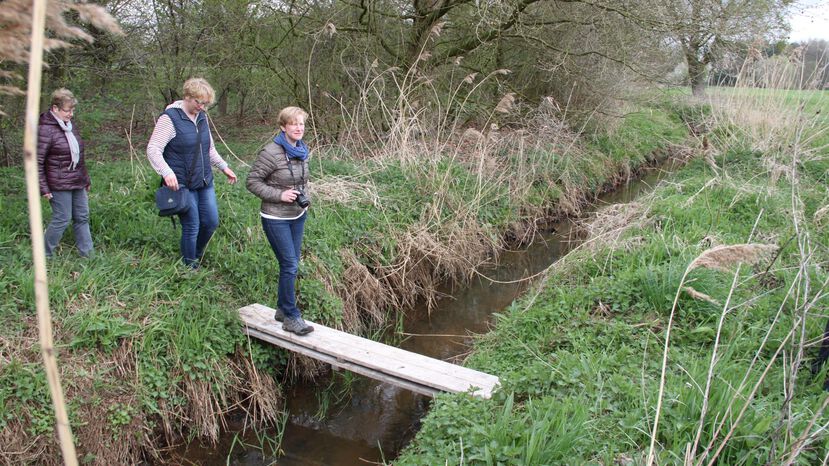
(150, 352)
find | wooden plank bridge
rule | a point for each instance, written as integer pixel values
(418, 373)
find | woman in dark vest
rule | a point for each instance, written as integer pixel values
(181, 151)
(64, 180)
(279, 177)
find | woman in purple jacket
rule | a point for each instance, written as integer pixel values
(64, 180)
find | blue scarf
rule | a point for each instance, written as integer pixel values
(299, 152)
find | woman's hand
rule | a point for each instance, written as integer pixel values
(231, 177)
(289, 195)
(48, 196)
(171, 181)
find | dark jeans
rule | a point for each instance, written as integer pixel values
(69, 205)
(285, 237)
(198, 224)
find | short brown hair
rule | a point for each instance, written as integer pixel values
(199, 88)
(289, 115)
(63, 97)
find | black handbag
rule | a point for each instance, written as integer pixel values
(171, 202)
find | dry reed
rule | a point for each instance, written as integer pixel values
(44, 317)
(16, 30)
(725, 257)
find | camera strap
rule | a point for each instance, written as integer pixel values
(291, 169)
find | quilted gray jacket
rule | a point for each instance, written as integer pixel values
(270, 176)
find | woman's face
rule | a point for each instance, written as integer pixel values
(64, 112)
(294, 130)
(193, 105)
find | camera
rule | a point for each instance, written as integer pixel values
(301, 199)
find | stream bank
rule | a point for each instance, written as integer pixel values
(359, 419)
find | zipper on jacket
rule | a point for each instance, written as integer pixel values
(200, 155)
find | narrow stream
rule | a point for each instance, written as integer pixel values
(376, 420)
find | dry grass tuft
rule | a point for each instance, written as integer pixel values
(472, 134)
(344, 191)
(261, 396)
(204, 409)
(699, 295)
(820, 215)
(725, 257)
(437, 28)
(427, 258)
(364, 296)
(304, 367)
(607, 226)
(506, 103)
(95, 15)
(777, 170)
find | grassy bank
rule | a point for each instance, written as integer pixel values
(581, 357)
(151, 353)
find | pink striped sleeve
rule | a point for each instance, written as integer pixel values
(215, 159)
(162, 134)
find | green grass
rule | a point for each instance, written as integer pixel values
(145, 345)
(588, 342)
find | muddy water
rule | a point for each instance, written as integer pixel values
(374, 421)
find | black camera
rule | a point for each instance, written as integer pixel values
(301, 199)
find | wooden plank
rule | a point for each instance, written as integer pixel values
(357, 369)
(381, 363)
(385, 358)
(374, 355)
(373, 359)
(329, 340)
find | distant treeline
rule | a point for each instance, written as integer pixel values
(799, 65)
(379, 64)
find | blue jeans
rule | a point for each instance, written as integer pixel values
(285, 237)
(69, 205)
(198, 225)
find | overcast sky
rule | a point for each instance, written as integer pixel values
(810, 20)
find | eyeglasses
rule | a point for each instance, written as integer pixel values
(67, 110)
(203, 103)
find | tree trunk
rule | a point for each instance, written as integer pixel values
(697, 74)
(242, 95)
(222, 103)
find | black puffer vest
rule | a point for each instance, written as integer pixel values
(188, 154)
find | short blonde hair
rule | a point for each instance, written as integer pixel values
(199, 88)
(63, 97)
(289, 115)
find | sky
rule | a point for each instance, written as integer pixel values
(809, 19)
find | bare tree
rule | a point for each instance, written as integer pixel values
(705, 29)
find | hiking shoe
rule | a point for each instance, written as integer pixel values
(279, 316)
(296, 325)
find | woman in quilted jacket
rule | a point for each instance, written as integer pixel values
(278, 178)
(64, 180)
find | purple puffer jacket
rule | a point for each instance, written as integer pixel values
(54, 158)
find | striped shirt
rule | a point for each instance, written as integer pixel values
(163, 133)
